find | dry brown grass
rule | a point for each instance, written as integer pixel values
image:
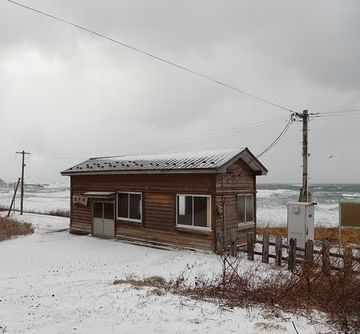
(152, 281)
(55, 212)
(158, 284)
(301, 291)
(10, 227)
(322, 233)
(305, 289)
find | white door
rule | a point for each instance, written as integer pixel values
(103, 220)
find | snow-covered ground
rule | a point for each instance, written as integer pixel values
(54, 282)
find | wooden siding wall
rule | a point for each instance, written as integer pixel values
(156, 204)
(238, 179)
(80, 216)
(159, 206)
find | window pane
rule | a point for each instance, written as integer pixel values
(108, 211)
(123, 209)
(241, 208)
(185, 214)
(201, 211)
(135, 206)
(98, 210)
(250, 208)
(181, 205)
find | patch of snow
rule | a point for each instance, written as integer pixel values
(55, 282)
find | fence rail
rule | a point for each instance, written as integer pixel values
(274, 248)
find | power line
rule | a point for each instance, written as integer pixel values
(342, 114)
(158, 58)
(206, 137)
(210, 138)
(337, 114)
(341, 111)
(278, 138)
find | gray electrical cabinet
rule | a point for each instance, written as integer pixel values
(300, 222)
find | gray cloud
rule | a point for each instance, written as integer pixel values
(66, 95)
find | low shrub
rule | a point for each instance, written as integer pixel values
(10, 227)
(308, 288)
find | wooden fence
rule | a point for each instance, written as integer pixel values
(275, 248)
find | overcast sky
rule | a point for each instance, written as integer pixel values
(66, 95)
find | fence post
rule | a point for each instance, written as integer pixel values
(233, 243)
(278, 251)
(265, 248)
(325, 252)
(292, 254)
(250, 245)
(347, 263)
(309, 251)
(219, 243)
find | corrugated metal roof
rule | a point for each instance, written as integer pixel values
(206, 160)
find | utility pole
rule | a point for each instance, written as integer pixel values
(305, 196)
(22, 179)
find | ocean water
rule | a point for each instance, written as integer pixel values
(39, 197)
(271, 200)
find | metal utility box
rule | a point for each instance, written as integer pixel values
(349, 212)
(300, 222)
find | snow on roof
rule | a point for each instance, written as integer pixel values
(205, 160)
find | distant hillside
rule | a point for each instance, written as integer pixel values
(2, 183)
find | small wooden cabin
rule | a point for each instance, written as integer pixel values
(196, 200)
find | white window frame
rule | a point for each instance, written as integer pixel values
(207, 228)
(250, 222)
(127, 218)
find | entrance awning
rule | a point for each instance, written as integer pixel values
(100, 194)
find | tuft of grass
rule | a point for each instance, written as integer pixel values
(10, 227)
(152, 281)
(322, 233)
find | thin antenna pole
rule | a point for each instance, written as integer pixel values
(22, 179)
